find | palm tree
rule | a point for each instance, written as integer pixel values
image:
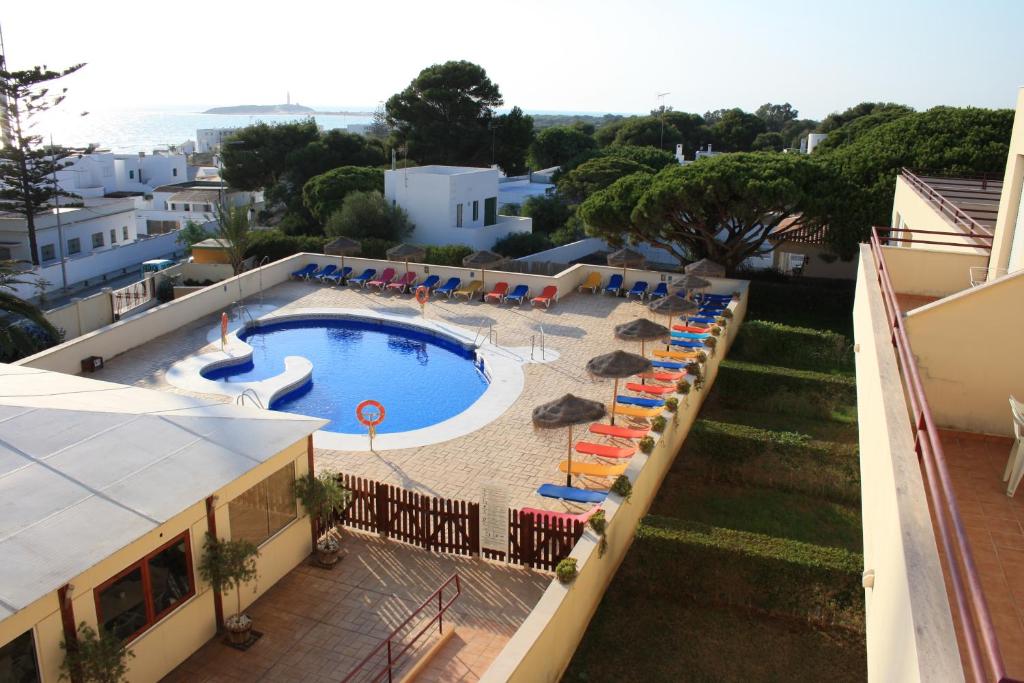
(234, 233)
(15, 341)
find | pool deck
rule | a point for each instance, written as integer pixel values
(508, 449)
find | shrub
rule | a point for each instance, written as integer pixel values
(623, 486)
(97, 658)
(713, 565)
(276, 245)
(794, 347)
(373, 247)
(658, 424)
(598, 522)
(785, 390)
(448, 255)
(566, 570)
(672, 404)
(646, 444)
(683, 387)
(520, 244)
(368, 214)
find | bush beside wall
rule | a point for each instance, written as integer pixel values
(820, 304)
(793, 347)
(776, 389)
(780, 577)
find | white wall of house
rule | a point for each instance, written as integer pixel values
(210, 139)
(94, 175)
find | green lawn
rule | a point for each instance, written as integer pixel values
(842, 428)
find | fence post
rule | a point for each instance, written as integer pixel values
(381, 492)
(474, 528)
(526, 545)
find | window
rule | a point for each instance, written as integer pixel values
(458, 216)
(18, 660)
(266, 508)
(113, 235)
(47, 252)
(147, 591)
(174, 172)
(74, 246)
(131, 174)
(124, 232)
(490, 211)
(476, 211)
(97, 240)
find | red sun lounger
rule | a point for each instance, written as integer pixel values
(619, 432)
(649, 388)
(603, 450)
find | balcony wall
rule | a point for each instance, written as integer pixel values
(910, 210)
(910, 634)
(931, 272)
(968, 350)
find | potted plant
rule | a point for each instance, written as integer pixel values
(658, 424)
(229, 564)
(647, 444)
(95, 658)
(672, 404)
(566, 570)
(623, 486)
(683, 387)
(322, 496)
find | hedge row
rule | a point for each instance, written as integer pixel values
(821, 303)
(777, 576)
(741, 454)
(753, 386)
(793, 347)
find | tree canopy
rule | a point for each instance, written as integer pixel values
(367, 215)
(734, 130)
(556, 145)
(323, 194)
(596, 174)
(549, 212)
(776, 116)
(255, 157)
(512, 134)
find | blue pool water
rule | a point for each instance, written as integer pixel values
(420, 379)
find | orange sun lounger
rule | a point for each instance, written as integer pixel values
(664, 376)
(677, 355)
(649, 388)
(691, 328)
(603, 450)
(637, 411)
(620, 432)
(592, 469)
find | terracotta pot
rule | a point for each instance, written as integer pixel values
(327, 558)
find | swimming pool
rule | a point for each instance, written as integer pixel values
(421, 379)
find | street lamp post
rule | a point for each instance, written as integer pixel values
(661, 98)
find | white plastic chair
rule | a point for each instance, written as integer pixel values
(1015, 464)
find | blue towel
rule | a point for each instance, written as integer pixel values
(688, 344)
(667, 364)
(572, 493)
(642, 402)
(700, 319)
(691, 335)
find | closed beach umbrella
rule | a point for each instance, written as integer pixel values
(626, 258)
(617, 365)
(483, 260)
(406, 252)
(672, 305)
(641, 330)
(565, 412)
(343, 246)
(705, 268)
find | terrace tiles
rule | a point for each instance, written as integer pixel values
(508, 449)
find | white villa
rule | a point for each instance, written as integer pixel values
(452, 205)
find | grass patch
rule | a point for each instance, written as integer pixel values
(793, 347)
(759, 510)
(822, 304)
(840, 427)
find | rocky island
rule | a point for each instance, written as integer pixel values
(250, 109)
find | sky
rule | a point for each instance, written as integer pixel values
(557, 55)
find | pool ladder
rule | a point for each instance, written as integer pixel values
(251, 395)
(243, 312)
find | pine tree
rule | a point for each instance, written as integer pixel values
(27, 167)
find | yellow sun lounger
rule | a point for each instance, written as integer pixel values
(677, 355)
(593, 283)
(469, 290)
(637, 411)
(593, 469)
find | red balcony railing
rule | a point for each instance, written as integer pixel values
(984, 659)
(954, 213)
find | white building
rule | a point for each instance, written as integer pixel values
(808, 143)
(700, 154)
(96, 175)
(210, 139)
(172, 206)
(452, 205)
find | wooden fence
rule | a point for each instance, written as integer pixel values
(450, 526)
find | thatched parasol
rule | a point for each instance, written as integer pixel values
(406, 252)
(565, 412)
(641, 330)
(673, 304)
(690, 282)
(627, 258)
(343, 246)
(705, 268)
(617, 364)
(483, 260)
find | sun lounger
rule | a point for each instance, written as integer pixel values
(571, 493)
(687, 344)
(592, 469)
(327, 271)
(702, 319)
(448, 287)
(660, 291)
(361, 279)
(338, 276)
(667, 365)
(593, 283)
(642, 402)
(518, 294)
(430, 282)
(688, 328)
(693, 336)
(470, 290)
(304, 272)
(566, 516)
(639, 290)
(676, 355)
(653, 389)
(405, 283)
(603, 450)
(498, 293)
(614, 285)
(547, 297)
(384, 280)
(637, 411)
(662, 376)
(617, 431)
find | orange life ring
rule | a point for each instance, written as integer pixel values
(422, 295)
(370, 404)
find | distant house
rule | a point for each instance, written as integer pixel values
(452, 205)
(210, 139)
(801, 250)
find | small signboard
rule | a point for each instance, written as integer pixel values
(494, 517)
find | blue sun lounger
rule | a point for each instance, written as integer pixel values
(642, 402)
(518, 294)
(572, 493)
(667, 364)
(363, 277)
(449, 287)
(639, 290)
(614, 285)
(660, 291)
(687, 344)
(304, 272)
(338, 276)
(327, 271)
(691, 335)
(700, 319)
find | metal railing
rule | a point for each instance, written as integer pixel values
(954, 213)
(132, 296)
(980, 643)
(386, 650)
(251, 395)
(894, 235)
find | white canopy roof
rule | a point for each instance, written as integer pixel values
(88, 467)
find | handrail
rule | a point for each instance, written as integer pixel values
(957, 215)
(251, 394)
(388, 668)
(970, 604)
(914, 231)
